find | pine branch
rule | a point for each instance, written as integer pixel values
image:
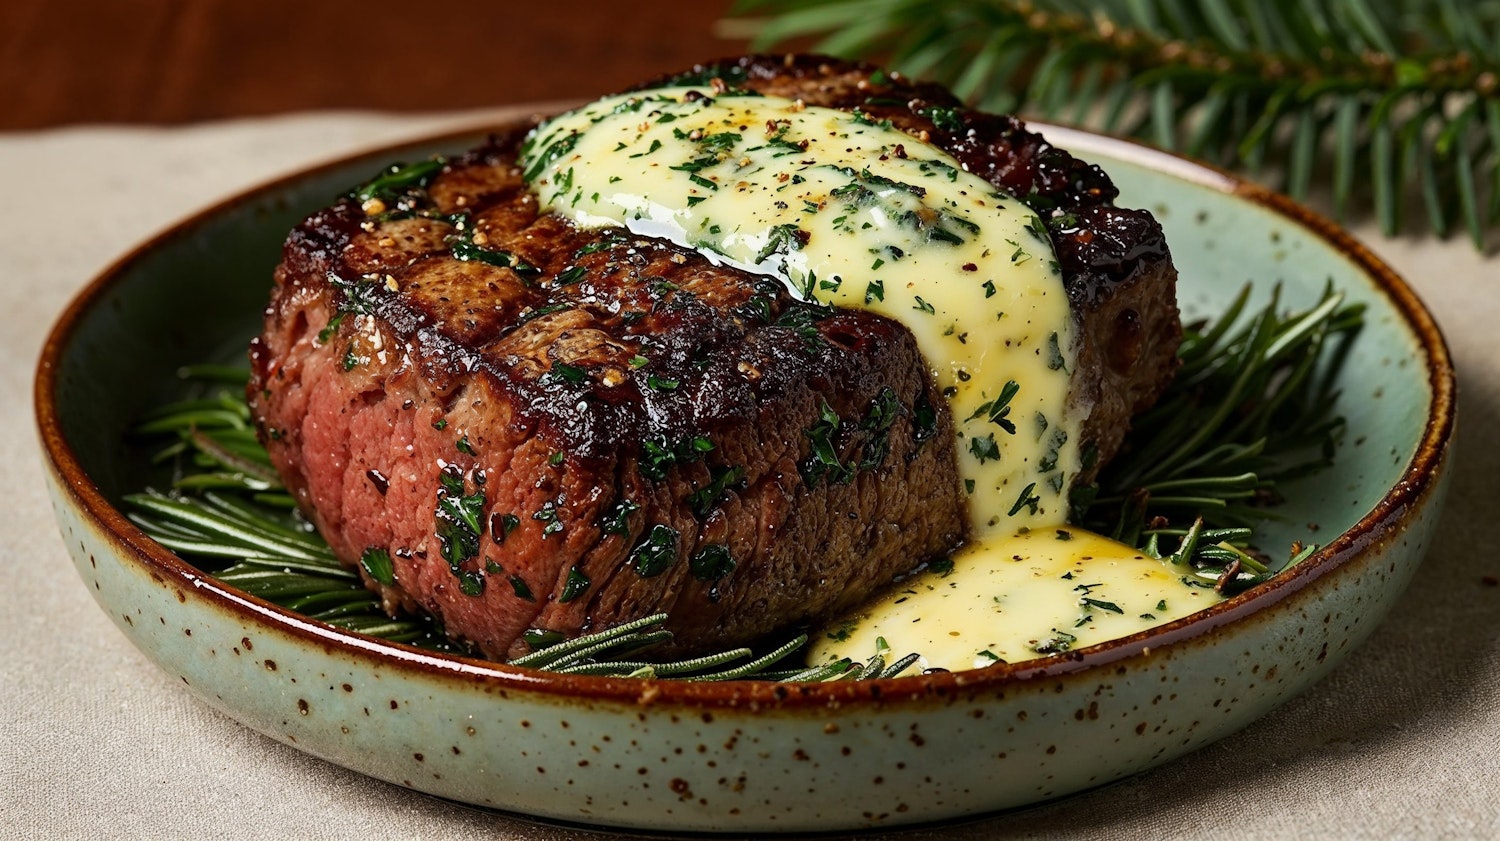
(1379, 102)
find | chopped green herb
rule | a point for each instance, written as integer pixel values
(570, 275)
(947, 119)
(883, 411)
(539, 638)
(1026, 500)
(706, 498)
(1038, 229)
(470, 582)
(548, 514)
(711, 563)
(652, 557)
(458, 520)
(823, 460)
(330, 328)
(1109, 606)
(843, 632)
(924, 419)
(781, 239)
(518, 586)
(998, 410)
(1060, 641)
(657, 456)
(563, 373)
(377, 563)
(598, 245)
(467, 251)
(1048, 461)
(655, 145)
(399, 178)
(554, 152)
(617, 520)
(1055, 359)
(575, 586)
(721, 142)
(803, 320)
(985, 449)
(501, 525)
(356, 296)
(655, 459)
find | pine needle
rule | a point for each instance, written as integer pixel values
(1245, 83)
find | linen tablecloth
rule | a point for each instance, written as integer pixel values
(1402, 740)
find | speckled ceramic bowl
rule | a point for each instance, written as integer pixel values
(745, 756)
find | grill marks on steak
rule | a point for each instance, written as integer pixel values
(618, 416)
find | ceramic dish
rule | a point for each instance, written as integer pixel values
(747, 756)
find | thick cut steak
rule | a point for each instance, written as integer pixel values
(560, 429)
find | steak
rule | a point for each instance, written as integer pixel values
(551, 429)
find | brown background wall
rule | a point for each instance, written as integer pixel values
(178, 60)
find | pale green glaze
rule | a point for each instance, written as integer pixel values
(742, 758)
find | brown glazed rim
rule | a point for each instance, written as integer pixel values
(1385, 521)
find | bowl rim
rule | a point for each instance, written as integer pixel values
(1418, 480)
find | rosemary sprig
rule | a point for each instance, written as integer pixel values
(1395, 96)
(1251, 407)
(271, 555)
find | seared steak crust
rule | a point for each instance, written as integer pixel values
(561, 429)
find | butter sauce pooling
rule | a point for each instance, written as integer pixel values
(1035, 593)
(852, 212)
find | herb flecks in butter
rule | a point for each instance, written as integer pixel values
(1017, 598)
(816, 197)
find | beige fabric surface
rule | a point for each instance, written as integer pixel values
(1402, 740)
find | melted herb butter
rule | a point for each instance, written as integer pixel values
(1018, 598)
(852, 213)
